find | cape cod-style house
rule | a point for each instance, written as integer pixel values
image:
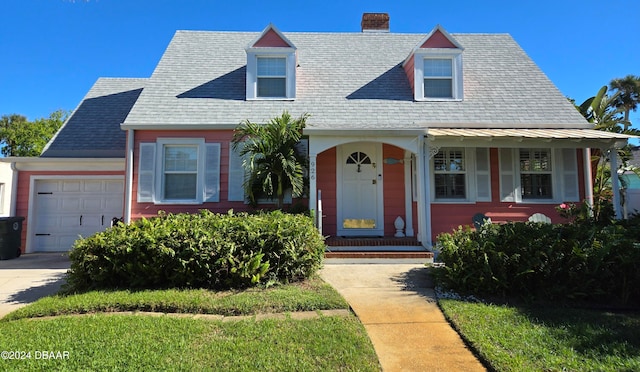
(409, 134)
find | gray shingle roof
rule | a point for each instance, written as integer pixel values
(349, 81)
(93, 130)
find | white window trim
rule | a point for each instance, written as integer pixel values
(553, 172)
(557, 178)
(438, 53)
(161, 142)
(470, 175)
(252, 72)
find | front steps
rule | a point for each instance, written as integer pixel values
(368, 250)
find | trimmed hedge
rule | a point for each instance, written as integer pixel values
(544, 262)
(204, 250)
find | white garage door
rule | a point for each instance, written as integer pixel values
(68, 208)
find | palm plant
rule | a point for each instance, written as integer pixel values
(628, 98)
(270, 159)
(605, 112)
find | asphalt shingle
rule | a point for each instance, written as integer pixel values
(93, 129)
(349, 81)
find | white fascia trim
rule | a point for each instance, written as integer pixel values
(177, 126)
(318, 144)
(67, 164)
(359, 132)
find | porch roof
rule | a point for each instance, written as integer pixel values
(588, 136)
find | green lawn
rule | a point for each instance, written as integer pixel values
(312, 294)
(548, 338)
(147, 343)
(107, 341)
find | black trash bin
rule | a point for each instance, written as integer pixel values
(10, 237)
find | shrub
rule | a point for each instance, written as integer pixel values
(536, 261)
(204, 250)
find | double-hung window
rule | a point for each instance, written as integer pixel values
(536, 174)
(438, 75)
(180, 172)
(438, 78)
(272, 77)
(539, 175)
(450, 174)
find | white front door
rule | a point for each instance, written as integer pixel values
(360, 209)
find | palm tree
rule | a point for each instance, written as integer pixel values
(270, 158)
(628, 99)
(606, 114)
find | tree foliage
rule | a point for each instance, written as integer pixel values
(21, 137)
(270, 158)
(609, 113)
(628, 94)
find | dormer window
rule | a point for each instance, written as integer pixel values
(272, 77)
(271, 67)
(434, 68)
(438, 78)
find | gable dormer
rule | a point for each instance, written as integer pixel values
(271, 67)
(434, 68)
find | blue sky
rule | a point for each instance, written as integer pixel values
(54, 50)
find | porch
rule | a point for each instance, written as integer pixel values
(367, 187)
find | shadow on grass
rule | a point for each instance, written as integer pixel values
(595, 333)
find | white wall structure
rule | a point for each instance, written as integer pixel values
(6, 187)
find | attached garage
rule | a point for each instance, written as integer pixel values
(66, 208)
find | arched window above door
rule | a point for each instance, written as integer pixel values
(358, 158)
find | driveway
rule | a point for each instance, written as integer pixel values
(29, 277)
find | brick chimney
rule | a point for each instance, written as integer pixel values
(375, 22)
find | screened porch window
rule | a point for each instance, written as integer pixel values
(450, 174)
(536, 174)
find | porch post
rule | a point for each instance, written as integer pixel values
(427, 188)
(588, 176)
(615, 185)
(313, 188)
(408, 195)
(128, 179)
(424, 211)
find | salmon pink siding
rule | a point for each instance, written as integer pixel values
(23, 192)
(409, 70)
(271, 39)
(394, 190)
(438, 40)
(447, 217)
(326, 183)
(223, 137)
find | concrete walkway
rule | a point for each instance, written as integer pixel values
(397, 305)
(29, 277)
